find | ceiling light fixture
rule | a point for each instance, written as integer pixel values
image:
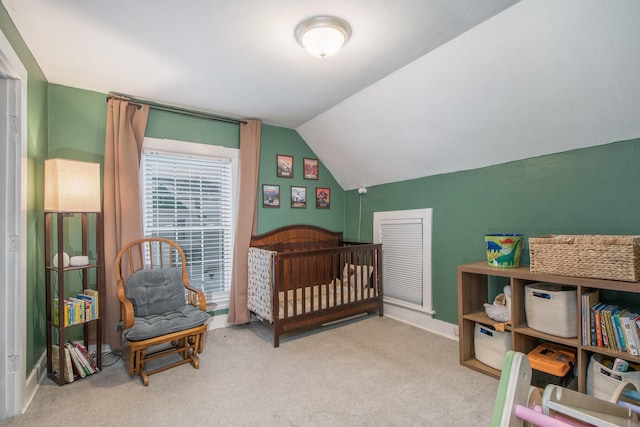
(323, 36)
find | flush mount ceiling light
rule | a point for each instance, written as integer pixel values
(323, 36)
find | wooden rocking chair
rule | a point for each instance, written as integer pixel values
(160, 309)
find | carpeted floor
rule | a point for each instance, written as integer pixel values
(370, 371)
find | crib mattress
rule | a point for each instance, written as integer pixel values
(313, 298)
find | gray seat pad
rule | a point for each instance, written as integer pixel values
(155, 325)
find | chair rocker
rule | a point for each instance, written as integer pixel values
(157, 318)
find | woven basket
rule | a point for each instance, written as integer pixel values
(600, 257)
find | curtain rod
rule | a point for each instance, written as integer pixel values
(174, 109)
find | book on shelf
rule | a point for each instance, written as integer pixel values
(597, 314)
(589, 299)
(610, 326)
(611, 329)
(67, 313)
(85, 357)
(78, 310)
(93, 293)
(90, 306)
(76, 362)
(603, 325)
(621, 336)
(55, 362)
(631, 332)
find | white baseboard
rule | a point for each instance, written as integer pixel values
(37, 375)
(421, 320)
(219, 321)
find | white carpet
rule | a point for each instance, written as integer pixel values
(367, 372)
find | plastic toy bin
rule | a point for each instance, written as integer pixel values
(491, 345)
(551, 364)
(552, 309)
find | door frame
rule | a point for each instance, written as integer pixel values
(13, 232)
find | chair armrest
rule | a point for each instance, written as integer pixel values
(195, 297)
(127, 314)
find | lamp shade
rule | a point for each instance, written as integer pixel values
(71, 186)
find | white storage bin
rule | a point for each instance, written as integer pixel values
(491, 345)
(603, 382)
(552, 309)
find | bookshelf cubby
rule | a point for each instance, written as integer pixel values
(59, 288)
(474, 290)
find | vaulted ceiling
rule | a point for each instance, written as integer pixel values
(423, 87)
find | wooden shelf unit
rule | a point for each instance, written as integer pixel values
(473, 292)
(54, 243)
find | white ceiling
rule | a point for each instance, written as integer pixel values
(423, 87)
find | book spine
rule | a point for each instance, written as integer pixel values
(603, 325)
(56, 312)
(610, 331)
(598, 323)
(620, 335)
(68, 371)
(93, 293)
(631, 331)
(585, 320)
(594, 338)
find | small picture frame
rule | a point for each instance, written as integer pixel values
(298, 197)
(284, 166)
(270, 196)
(323, 198)
(310, 168)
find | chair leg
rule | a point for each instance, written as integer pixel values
(132, 359)
(195, 361)
(145, 378)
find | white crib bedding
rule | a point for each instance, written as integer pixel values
(315, 297)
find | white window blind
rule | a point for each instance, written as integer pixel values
(406, 257)
(402, 244)
(188, 199)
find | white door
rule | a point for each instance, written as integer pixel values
(12, 231)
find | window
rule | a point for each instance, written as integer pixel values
(406, 257)
(188, 196)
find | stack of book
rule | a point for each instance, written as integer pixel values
(82, 308)
(78, 361)
(608, 325)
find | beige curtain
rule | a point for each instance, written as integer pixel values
(247, 218)
(122, 212)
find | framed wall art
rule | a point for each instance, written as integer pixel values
(323, 198)
(270, 196)
(298, 197)
(284, 165)
(310, 168)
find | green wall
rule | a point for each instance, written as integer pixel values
(36, 153)
(277, 140)
(588, 191)
(77, 131)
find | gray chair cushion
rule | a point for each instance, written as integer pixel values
(155, 291)
(154, 325)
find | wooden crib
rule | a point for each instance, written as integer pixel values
(302, 276)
